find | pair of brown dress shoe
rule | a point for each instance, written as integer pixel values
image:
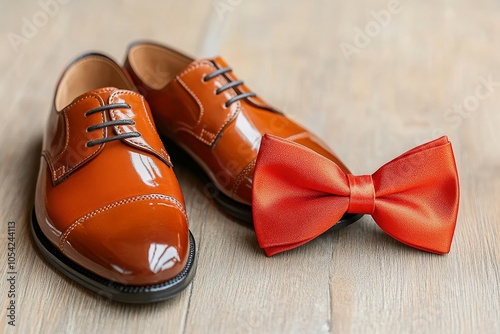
(109, 212)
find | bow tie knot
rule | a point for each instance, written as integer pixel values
(362, 197)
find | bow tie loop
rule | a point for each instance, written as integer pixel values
(362, 196)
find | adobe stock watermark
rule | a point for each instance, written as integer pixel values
(11, 273)
(455, 115)
(224, 6)
(32, 24)
(372, 29)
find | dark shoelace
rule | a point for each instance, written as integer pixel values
(110, 123)
(230, 84)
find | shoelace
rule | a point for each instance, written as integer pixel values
(110, 123)
(230, 84)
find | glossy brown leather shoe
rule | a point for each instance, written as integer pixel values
(109, 212)
(202, 107)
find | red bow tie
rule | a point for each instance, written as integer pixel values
(298, 194)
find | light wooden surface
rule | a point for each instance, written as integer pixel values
(397, 91)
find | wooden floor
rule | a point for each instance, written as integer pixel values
(373, 78)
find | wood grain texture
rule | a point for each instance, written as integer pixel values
(403, 86)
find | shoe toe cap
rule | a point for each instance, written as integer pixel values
(140, 242)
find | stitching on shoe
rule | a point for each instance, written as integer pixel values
(200, 105)
(66, 120)
(67, 130)
(183, 84)
(183, 128)
(166, 155)
(242, 175)
(193, 67)
(300, 135)
(94, 213)
(60, 171)
(117, 128)
(210, 134)
(230, 116)
(49, 157)
(102, 90)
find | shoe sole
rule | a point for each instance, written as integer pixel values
(109, 289)
(235, 209)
